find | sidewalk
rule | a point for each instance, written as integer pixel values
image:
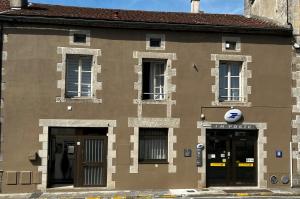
(172, 193)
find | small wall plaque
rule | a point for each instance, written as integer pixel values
(187, 152)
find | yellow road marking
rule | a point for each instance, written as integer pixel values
(93, 198)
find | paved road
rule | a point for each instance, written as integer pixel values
(252, 197)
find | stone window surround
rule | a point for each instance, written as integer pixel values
(83, 32)
(96, 69)
(137, 123)
(43, 138)
(162, 43)
(261, 151)
(245, 75)
(170, 72)
(3, 85)
(231, 39)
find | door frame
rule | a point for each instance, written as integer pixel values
(44, 139)
(261, 151)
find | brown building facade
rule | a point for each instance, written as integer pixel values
(138, 100)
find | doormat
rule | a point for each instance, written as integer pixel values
(248, 191)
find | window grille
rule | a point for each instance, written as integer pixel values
(153, 145)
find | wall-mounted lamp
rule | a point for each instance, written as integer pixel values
(202, 116)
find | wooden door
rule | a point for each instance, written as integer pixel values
(91, 161)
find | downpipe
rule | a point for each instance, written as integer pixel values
(291, 164)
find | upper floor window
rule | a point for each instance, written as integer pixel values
(230, 81)
(80, 37)
(153, 145)
(155, 42)
(231, 44)
(153, 80)
(79, 76)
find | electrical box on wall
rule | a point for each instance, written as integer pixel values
(187, 152)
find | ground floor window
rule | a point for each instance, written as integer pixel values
(153, 145)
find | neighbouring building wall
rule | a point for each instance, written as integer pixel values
(285, 12)
(275, 9)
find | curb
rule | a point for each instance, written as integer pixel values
(244, 194)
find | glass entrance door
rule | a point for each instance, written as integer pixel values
(231, 158)
(244, 159)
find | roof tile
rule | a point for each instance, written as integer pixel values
(44, 10)
(4, 5)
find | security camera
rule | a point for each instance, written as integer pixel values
(296, 45)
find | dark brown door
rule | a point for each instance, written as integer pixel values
(217, 159)
(231, 158)
(244, 164)
(91, 161)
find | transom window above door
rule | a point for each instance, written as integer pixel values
(154, 78)
(79, 76)
(230, 81)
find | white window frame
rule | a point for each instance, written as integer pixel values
(162, 96)
(229, 64)
(79, 83)
(162, 38)
(245, 75)
(96, 70)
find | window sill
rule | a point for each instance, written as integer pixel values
(153, 162)
(232, 103)
(79, 100)
(154, 101)
(155, 48)
(231, 51)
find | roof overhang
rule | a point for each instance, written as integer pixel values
(144, 25)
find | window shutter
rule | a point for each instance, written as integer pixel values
(72, 76)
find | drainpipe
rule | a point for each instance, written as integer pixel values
(287, 12)
(291, 164)
(1, 65)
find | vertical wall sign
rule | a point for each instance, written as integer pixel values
(199, 161)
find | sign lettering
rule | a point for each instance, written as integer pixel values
(234, 126)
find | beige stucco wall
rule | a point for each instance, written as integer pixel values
(31, 89)
(274, 9)
(277, 10)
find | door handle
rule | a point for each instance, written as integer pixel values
(228, 155)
